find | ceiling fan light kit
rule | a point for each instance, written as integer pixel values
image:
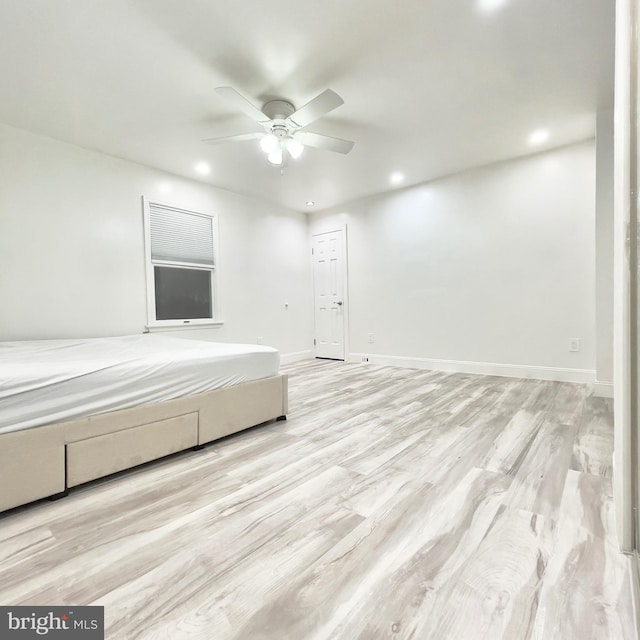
(283, 125)
(276, 156)
(268, 143)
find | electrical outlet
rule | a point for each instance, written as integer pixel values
(574, 344)
(370, 338)
(259, 340)
(365, 358)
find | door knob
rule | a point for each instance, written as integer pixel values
(339, 303)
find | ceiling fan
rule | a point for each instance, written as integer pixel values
(283, 125)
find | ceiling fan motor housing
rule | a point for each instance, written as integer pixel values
(278, 111)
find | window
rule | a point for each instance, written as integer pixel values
(181, 266)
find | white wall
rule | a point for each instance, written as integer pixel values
(71, 242)
(495, 265)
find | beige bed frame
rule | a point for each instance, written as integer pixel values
(47, 461)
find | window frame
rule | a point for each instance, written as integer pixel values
(152, 322)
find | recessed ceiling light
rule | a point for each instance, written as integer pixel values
(539, 136)
(310, 203)
(396, 178)
(202, 168)
(491, 5)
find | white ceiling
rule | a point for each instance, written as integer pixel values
(430, 86)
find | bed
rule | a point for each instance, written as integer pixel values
(72, 411)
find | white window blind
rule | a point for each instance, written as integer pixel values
(180, 236)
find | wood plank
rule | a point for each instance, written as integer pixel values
(585, 593)
(394, 503)
(498, 587)
(539, 480)
(593, 449)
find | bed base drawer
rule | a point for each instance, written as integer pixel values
(106, 454)
(236, 408)
(31, 466)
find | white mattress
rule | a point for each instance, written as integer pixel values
(49, 381)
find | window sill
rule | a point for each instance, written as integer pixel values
(179, 326)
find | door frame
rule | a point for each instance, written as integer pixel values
(625, 327)
(342, 228)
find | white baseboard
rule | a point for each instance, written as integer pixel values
(483, 368)
(603, 389)
(288, 358)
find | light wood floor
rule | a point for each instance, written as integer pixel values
(392, 504)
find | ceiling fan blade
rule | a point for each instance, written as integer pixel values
(233, 97)
(238, 138)
(327, 101)
(320, 141)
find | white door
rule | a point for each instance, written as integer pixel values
(329, 272)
